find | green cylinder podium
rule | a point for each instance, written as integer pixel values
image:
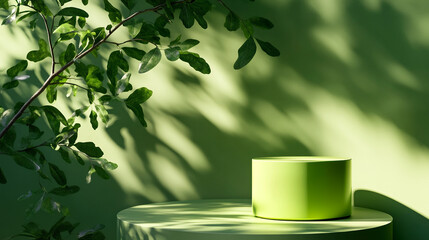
(233, 220)
(301, 188)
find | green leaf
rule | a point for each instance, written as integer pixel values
(200, 7)
(89, 149)
(41, 157)
(108, 165)
(81, 21)
(25, 162)
(134, 52)
(261, 22)
(187, 16)
(93, 236)
(66, 190)
(32, 24)
(54, 112)
(129, 3)
(89, 175)
(247, 28)
(188, 44)
(11, 18)
(51, 93)
(139, 96)
(133, 25)
(101, 172)
(55, 117)
(93, 119)
(65, 28)
(34, 132)
(115, 15)
(195, 61)
(172, 53)
(135, 99)
(4, 4)
(3, 179)
(150, 60)
(245, 53)
(123, 83)
(57, 174)
(85, 2)
(70, 53)
(81, 69)
(232, 22)
(201, 21)
(160, 23)
(63, 152)
(40, 6)
(118, 59)
(78, 158)
(105, 99)
(27, 15)
(147, 34)
(11, 84)
(99, 34)
(19, 67)
(90, 95)
(42, 53)
(72, 11)
(268, 48)
(94, 79)
(175, 41)
(102, 112)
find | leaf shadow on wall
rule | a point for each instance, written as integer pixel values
(407, 223)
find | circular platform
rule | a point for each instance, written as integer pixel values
(233, 220)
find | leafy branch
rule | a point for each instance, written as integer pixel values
(68, 23)
(79, 56)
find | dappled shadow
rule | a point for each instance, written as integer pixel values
(233, 219)
(351, 80)
(407, 223)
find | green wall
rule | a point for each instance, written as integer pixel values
(351, 81)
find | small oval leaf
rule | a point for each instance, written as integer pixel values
(150, 60)
(57, 174)
(72, 11)
(268, 48)
(245, 53)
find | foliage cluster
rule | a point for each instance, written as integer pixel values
(68, 40)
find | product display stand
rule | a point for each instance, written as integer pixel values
(234, 220)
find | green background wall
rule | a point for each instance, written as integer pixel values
(352, 80)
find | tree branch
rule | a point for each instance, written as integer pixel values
(79, 56)
(48, 32)
(73, 84)
(127, 41)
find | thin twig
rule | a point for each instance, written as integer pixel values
(39, 145)
(48, 32)
(73, 84)
(130, 40)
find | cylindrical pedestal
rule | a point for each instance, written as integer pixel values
(233, 220)
(301, 188)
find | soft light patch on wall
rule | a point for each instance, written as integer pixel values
(385, 159)
(171, 176)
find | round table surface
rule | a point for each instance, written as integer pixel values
(234, 218)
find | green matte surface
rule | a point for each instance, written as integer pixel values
(301, 188)
(233, 220)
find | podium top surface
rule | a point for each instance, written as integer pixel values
(234, 217)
